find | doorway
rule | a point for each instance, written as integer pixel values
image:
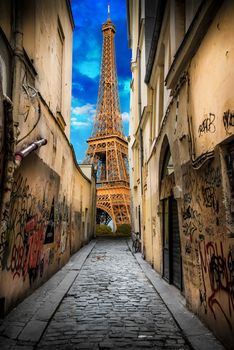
(171, 251)
(172, 269)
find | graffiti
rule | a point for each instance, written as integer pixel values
(190, 182)
(203, 300)
(34, 231)
(209, 197)
(202, 291)
(49, 235)
(188, 247)
(17, 256)
(207, 125)
(190, 213)
(211, 181)
(192, 222)
(229, 159)
(3, 248)
(189, 228)
(25, 231)
(228, 120)
(62, 220)
(212, 176)
(187, 198)
(219, 286)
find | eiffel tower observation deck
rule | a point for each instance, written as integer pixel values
(107, 146)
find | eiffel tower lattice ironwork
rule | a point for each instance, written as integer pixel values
(108, 147)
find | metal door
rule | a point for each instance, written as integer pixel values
(172, 271)
(166, 245)
(176, 273)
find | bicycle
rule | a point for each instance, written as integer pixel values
(136, 242)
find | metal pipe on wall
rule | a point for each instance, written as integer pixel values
(20, 155)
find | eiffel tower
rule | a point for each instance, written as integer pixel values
(108, 147)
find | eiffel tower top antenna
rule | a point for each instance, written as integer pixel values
(108, 10)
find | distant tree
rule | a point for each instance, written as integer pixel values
(103, 230)
(124, 229)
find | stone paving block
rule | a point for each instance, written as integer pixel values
(111, 295)
(12, 331)
(33, 331)
(6, 344)
(103, 302)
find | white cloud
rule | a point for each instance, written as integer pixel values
(124, 86)
(82, 116)
(78, 86)
(90, 68)
(76, 123)
(125, 117)
(88, 108)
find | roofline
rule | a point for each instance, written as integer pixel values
(68, 3)
(128, 23)
(154, 43)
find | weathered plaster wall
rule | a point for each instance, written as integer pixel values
(211, 82)
(208, 244)
(30, 227)
(146, 202)
(47, 41)
(47, 203)
(50, 215)
(200, 120)
(207, 214)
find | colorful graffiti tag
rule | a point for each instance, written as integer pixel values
(25, 232)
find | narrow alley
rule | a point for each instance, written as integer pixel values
(102, 299)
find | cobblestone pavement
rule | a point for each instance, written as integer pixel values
(112, 305)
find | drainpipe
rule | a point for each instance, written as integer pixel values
(18, 53)
(139, 82)
(141, 143)
(11, 109)
(20, 155)
(139, 109)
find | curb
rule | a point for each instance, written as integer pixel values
(31, 332)
(197, 334)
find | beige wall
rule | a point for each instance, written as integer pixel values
(194, 116)
(48, 34)
(47, 202)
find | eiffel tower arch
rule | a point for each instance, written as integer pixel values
(107, 146)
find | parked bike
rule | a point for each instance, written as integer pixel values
(136, 242)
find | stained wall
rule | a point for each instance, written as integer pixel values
(47, 203)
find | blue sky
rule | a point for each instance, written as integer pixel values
(89, 16)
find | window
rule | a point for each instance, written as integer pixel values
(168, 167)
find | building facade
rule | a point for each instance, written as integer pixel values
(182, 149)
(47, 202)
